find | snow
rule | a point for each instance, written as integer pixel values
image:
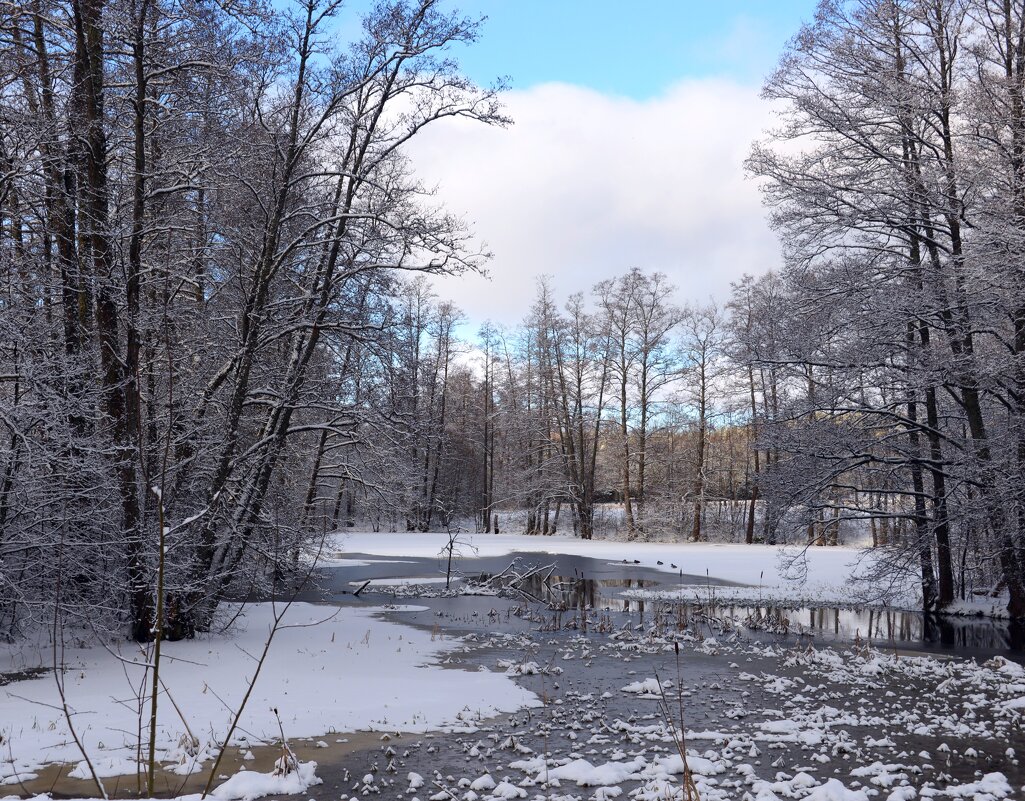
(416, 781)
(765, 569)
(354, 670)
(587, 775)
(246, 785)
(833, 790)
(741, 563)
(105, 767)
(324, 673)
(404, 581)
(336, 560)
(649, 687)
(508, 791)
(484, 782)
(990, 787)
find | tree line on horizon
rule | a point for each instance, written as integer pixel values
(218, 341)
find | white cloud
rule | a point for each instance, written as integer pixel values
(585, 185)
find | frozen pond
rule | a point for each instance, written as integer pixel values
(766, 716)
(775, 703)
(595, 585)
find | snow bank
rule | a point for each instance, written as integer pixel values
(766, 570)
(246, 785)
(327, 671)
(587, 775)
(404, 581)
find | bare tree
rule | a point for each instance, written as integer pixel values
(703, 335)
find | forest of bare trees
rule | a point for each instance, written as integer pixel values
(214, 347)
(203, 206)
(897, 179)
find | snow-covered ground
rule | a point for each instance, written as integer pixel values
(769, 573)
(324, 673)
(331, 671)
(843, 713)
(764, 722)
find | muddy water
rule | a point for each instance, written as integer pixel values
(332, 749)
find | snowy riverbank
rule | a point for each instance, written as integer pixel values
(326, 671)
(767, 573)
(333, 671)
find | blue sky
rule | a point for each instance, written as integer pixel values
(635, 49)
(632, 123)
(632, 49)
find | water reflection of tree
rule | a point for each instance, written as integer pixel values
(879, 627)
(975, 633)
(582, 593)
(563, 592)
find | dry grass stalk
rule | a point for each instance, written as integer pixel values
(690, 790)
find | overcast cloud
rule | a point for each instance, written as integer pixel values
(584, 186)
